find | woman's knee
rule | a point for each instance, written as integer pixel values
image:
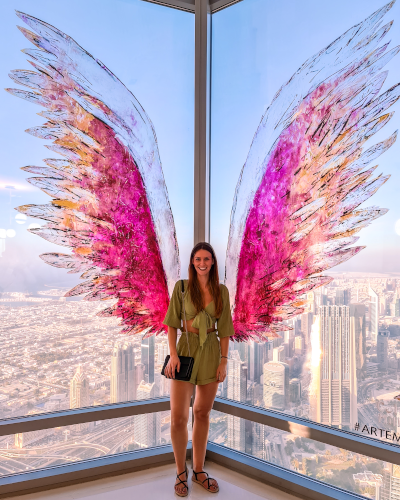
(201, 413)
(179, 420)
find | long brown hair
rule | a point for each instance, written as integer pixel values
(213, 281)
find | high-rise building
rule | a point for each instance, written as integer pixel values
(276, 385)
(358, 330)
(162, 352)
(123, 383)
(237, 390)
(288, 337)
(243, 349)
(147, 427)
(148, 358)
(382, 304)
(390, 489)
(237, 378)
(279, 354)
(255, 439)
(139, 374)
(310, 302)
(79, 390)
(268, 350)
(373, 314)
(256, 360)
(306, 324)
(321, 298)
(335, 378)
(343, 297)
(79, 394)
(299, 345)
(295, 390)
(397, 307)
(382, 349)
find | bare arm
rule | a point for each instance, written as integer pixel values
(174, 363)
(172, 336)
(221, 370)
(224, 343)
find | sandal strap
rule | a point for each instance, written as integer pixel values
(182, 481)
(201, 472)
(208, 479)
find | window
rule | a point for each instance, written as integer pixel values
(57, 352)
(336, 361)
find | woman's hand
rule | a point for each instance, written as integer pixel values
(173, 364)
(221, 370)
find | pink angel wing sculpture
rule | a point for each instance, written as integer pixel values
(296, 206)
(109, 200)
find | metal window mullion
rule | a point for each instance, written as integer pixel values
(201, 197)
(185, 5)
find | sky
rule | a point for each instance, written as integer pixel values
(257, 45)
(150, 48)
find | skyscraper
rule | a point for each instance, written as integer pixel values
(382, 349)
(79, 394)
(162, 352)
(299, 345)
(358, 330)
(279, 354)
(255, 439)
(123, 384)
(256, 361)
(390, 489)
(79, 390)
(147, 427)
(397, 306)
(268, 350)
(343, 297)
(306, 324)
(295, 391)
(276, 385)
(237, 390)
(373, 314)
(336, 380)
(148, 358)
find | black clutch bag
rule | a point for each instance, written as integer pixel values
(187, 362)
(186, 368)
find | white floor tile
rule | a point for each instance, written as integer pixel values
(157, 484)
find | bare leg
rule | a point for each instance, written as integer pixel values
(205, 395)
(181, 392)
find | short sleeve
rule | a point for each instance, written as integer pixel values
(173, 316)
(224, 322)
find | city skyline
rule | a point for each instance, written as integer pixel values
(43, 363)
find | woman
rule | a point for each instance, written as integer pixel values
(205, 302)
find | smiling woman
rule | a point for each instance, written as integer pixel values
(200, 308)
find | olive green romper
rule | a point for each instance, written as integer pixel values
(204, 347)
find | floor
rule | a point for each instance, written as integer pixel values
(157, 484)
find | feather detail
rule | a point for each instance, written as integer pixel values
(109, 199)
(295, 209)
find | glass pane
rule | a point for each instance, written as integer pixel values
(49, 447)
(57, 352)
(350, 471)
(335, 358)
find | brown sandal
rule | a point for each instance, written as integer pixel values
(185, 493)
(208, 479)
